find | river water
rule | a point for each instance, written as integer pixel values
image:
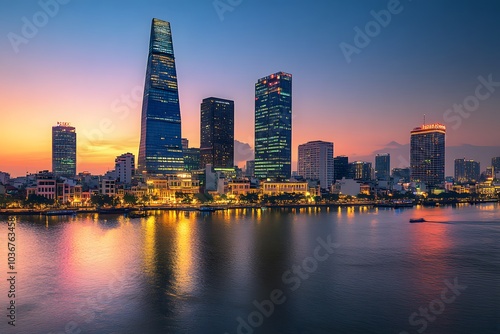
(303, 271)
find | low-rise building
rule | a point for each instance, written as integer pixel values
(276, 188)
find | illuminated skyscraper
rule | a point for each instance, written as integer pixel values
(360, 170)
(383, 167)
(160, 150)
(316, 162)
(217, 133)
(273, 126)
(467, 171)
(64, 150)
(427, 154)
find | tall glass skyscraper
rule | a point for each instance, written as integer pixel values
(273, 126)
(383, 167)
(63, 150)
(217, 133)
(427, 154)
(160, 150)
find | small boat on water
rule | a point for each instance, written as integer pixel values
(137, 214)
(207, 209)
(60, 213)
(417, 220)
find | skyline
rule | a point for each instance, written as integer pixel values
(390, 83)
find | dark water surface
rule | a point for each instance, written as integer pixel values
(351, 270)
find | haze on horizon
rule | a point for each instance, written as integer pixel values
(86, 65)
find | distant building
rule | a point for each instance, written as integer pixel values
(191, 159)
(4, 178)
(273, 126)
(360, 171)
(495, 163)
(467, 171)
(383, 167)
(427, 154)
(341, 167)
(107, 187)
(63, 150)
(185, 143)
(401, 175)
(348, 187)
(275, 188)
(250, 168)
(125, 168)
(316, 162)
(217, 133)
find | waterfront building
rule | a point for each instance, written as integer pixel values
(191, 159)
(125, 168)
(383, 167)
(277, 187)
(63, 150)
(340, 167)
(217, 133)
(427, 154)
(273, 126)
(360, 171)
(316, 162)
(467, 171)
(160, 150)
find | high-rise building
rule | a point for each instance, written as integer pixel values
(125, 168)
(360, 170)
(160, 150)
(250, 168)
(217, 133)
(495, 163)
(341, 167)
(316, 162)
(185, 143)
(427, 154)
(64, 150)
(467, 171)
(401, 175)
(191, 159)
(383, 167)
(273, 126)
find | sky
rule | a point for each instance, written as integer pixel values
(364, 72)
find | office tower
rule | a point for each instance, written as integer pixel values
(185, 143)
(467, 171)
(427, 154)
(273, 126)
(316, 162)
(250, 168)
(160, 150)
(340, 167)
(217, 133)
(401, 175)
(383, 167)
(125, 168)
(495, 163)
(63, 150)
(191, 159)
(360, 170)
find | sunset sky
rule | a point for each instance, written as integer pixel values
(86, 65)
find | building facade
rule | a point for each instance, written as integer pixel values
(467, 171)
(273, 126)
(160, 150)
(383, 167)
(316, 162)
(125, 168)
(360, 171)
(191, 159)
(64, 150)
(427, 154)
(217, 133)
(340, 167)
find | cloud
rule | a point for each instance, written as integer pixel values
(242, 153)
